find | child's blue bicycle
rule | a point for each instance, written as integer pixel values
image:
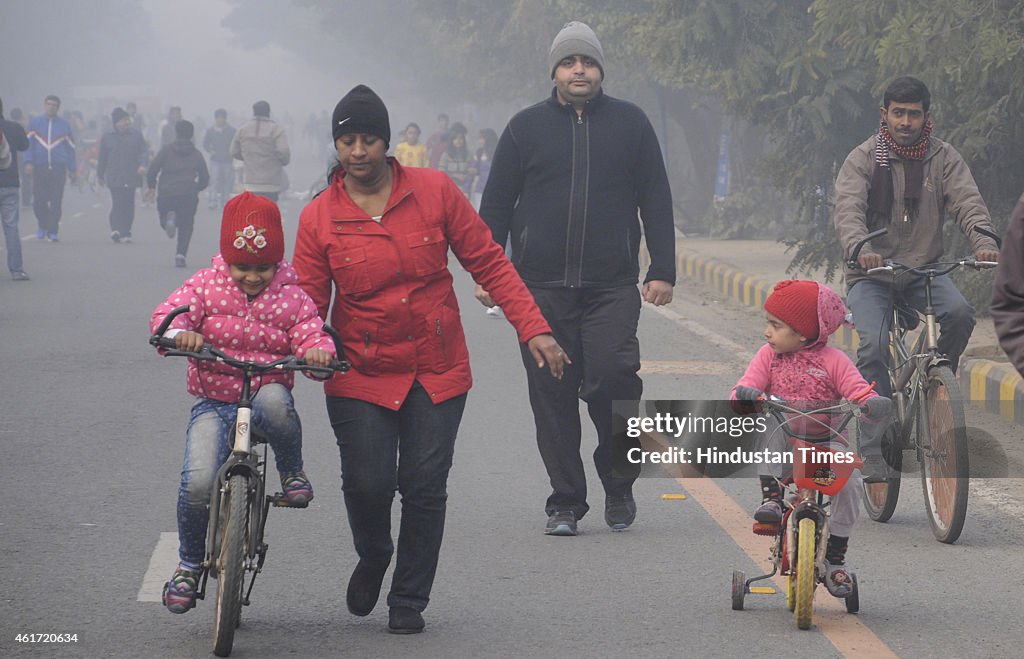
(238, 503)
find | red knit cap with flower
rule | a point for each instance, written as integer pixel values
(250, 231)
(795, 302)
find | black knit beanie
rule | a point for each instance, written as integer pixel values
(361, 111)
(117, 115)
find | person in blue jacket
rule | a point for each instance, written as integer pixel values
(50, 160)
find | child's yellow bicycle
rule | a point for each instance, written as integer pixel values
(819, 472)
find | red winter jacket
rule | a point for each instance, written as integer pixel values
(394, 304)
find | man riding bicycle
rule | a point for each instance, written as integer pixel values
(905, 180)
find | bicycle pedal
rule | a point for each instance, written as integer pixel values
(762, 590)
(761, 528)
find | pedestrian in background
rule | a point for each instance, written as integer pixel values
(438, 141)
(121, 166)
(50, 160)
(378, 239)
(261, 144)
(456, 161)
(217, 144)
(486, 142)
(571, 181)
(410, 152)
(177, 175)
(15, 141)
(167, 134)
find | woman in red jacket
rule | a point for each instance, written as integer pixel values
(379, 237)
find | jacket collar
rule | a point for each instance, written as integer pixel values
(400, 189)
(591, 105)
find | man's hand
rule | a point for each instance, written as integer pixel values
(868, 261)
(987, 255)
(318, 357)
(141, 170)
(483, 296)
(545, 350)
(657, 292)
(188, 341)
(149, 194)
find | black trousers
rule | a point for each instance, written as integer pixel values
(122, 209)
(184, 209)
(597, 328)
(48, 194)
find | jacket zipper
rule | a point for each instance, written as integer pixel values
(366, 349)
(440, 338)
(573, 252)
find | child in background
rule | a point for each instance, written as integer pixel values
(456, 161)
(182, 174)
(797, 365)
(249, 305)
(409, 152)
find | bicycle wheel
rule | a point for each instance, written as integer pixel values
(739, 589)
(804, 609)
(231, 564)
(945, 469)
(880, 498)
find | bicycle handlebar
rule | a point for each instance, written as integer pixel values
(779, 408)
(209, 353)
(937, 268)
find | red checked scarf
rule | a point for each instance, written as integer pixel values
(880, 195)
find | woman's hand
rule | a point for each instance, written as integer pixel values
(188, 341)
(483, 296)
(545, 350)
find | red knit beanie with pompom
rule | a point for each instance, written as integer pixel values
(250, 231)
(795, 302)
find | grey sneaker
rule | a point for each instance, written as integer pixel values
(115, 236)
(838, 580)
(19, 275)
(179, 261)
(619, 512)
(562, 522)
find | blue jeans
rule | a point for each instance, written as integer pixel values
(871, 301)
(9, 215)
(409, 450)
(207, 447)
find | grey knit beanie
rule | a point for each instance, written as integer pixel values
(575, 39)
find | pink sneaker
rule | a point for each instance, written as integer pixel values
(180, 592)
(298, 491)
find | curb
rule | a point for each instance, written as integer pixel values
(993, 386)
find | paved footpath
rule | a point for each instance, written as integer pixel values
(746, 270)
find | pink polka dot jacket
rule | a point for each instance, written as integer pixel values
(280, 321)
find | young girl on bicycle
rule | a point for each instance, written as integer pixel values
(249, 305)
(797, 365)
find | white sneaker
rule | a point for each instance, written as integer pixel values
(494, 311)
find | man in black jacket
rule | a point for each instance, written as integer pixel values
(16, 140)
(122, 163)
(572, 179)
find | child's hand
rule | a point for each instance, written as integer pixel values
(318, 357)
(748, 393)
(189, 341)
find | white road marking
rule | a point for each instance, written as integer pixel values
(741, 353)
(78, 214)
(161, 566)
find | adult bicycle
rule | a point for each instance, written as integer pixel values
(235, 546)
(928, 407)
(820, 471)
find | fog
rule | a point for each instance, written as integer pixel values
(206, 54)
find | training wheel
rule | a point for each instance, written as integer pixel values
(739, 589)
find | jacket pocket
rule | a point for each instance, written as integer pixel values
(429, 250)
(448, 344)
(361, 342)
(350, 271)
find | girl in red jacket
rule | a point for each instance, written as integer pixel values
(378, 238)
